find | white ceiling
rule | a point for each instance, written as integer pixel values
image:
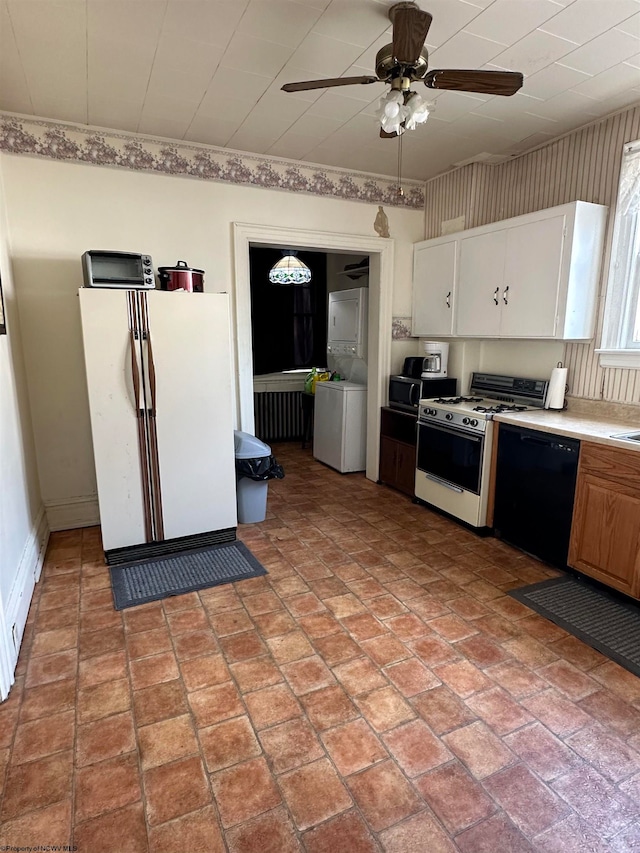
(210, 71)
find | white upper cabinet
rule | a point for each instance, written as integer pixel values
(534, 276)
(434, 277)
(532, 279)
(478, 297)
(510, 279)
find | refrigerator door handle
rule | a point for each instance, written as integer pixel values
(150, 404)
(146, 402)
(136, 374)
(137, 377)
(148, 366)
(151, 377)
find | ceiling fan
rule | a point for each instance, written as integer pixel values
(404, 62)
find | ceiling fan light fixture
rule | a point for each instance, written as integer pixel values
(391, 104)
(398, 111)
(392, 112)
(290, 270)
(419, 111)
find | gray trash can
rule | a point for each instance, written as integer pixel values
(251, 494)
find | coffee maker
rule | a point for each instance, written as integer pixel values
(434, 364)
(419, 381)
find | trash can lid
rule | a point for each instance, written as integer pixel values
(248, 446)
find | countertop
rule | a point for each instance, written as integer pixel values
(585, 427)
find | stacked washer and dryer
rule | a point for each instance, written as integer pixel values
(340, 411)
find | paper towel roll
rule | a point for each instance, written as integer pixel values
(557, 388)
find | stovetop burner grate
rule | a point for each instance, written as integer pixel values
(501, 407)
(454, 401)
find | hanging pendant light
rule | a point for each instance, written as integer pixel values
(290, 270)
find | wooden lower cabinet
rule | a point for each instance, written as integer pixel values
(605, 534)
(406, 470)
(398, 450)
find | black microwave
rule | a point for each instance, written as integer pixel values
(405, 391)
(117, 269)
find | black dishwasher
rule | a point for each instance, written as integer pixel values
(535, 487)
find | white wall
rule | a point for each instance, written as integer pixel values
(531, 359)
(57, 210)
(21, 540)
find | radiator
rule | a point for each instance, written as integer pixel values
(278, 415)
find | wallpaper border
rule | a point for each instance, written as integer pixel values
(401, 329)
(55, 140)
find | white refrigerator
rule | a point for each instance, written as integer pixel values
(340, 425)
(158, 368)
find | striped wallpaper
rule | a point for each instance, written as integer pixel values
(583, 165)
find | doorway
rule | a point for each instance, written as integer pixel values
(380, 251)
(288, 323)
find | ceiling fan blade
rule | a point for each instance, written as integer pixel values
(410, 28)
(327, 84)
(385, 135)
(482, 82)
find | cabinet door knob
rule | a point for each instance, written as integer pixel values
(504, 295)
(495, 295)
(448, 299)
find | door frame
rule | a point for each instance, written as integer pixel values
(381, 252)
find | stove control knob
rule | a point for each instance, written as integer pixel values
(474, 422)
(449, 416)
(466, 421)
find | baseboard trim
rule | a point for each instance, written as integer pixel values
(27, 575)
(73, 513)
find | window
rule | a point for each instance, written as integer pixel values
(621, 334)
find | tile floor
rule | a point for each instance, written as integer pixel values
(376, 691)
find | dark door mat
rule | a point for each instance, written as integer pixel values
(179, 573)
(604, 620)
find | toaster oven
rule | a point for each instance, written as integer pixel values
(117, 269)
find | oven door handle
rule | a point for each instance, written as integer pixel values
(414, 398)
(444, 483)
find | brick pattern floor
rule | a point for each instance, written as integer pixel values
(376, 691)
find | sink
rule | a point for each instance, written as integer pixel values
(627, 436)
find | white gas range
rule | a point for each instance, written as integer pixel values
(455, 436)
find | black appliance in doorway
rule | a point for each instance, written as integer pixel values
(535, 488)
